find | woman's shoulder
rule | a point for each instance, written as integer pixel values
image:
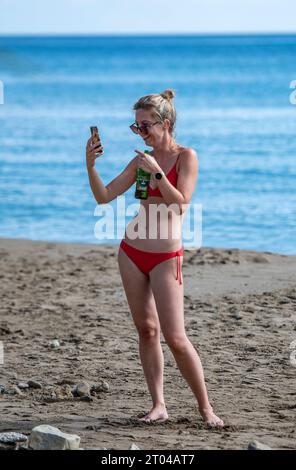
(185, 152)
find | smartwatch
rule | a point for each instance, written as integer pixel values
(159, 175)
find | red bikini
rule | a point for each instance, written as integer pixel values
(172, 176)
(147, 260)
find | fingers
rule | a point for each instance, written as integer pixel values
(143, 162)
(90, 144)
(96, 147)
(96, 152)
(140, 160)
(93, 152)
(140, 153)
(144, 167)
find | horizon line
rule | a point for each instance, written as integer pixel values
(59, 34)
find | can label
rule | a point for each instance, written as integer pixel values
(142, 183)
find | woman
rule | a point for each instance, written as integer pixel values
(150, 265)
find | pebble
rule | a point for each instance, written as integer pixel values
(86, 398)
(103, 386)
(54, 344)
(81, 390)
(256, 445)
(11, 437)
(22, 385)
(34, 384)
(237, 316)
(45, 437)
(63, 392)
(134, 447)
(2, 389)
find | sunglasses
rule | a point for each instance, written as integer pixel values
(137, 129)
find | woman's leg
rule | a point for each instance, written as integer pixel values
(169, 296)
(142, 306)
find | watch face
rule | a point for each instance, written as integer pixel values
(158, 176)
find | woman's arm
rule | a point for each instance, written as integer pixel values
(104, 194)
(187, 178)
(118, 185)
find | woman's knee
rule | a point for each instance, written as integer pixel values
(148, 331)
(177, 343)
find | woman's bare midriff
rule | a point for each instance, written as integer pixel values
(157, 234)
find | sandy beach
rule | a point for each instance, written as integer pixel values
(240, 314)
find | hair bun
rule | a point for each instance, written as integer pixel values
(168, 94)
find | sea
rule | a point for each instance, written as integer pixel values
(236, 107)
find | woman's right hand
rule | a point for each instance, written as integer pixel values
(91, 151)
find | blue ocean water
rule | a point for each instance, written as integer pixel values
(233, 108)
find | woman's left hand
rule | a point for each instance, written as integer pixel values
(147, 162)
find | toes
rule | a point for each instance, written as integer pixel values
(145, 418)
(148, 419)
(216, 424)
(219, 422)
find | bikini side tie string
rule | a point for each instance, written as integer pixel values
(179, 274)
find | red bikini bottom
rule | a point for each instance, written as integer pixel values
(147, 260)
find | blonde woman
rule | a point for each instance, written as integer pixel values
(150, 267)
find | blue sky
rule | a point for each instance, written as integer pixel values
(146, 16)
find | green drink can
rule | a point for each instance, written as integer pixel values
(142, 184)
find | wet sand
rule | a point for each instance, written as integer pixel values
(240, 314)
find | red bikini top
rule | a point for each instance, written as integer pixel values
(172, 176)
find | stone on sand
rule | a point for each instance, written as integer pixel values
(103, 386)
(54, 344)
(63, 392)
(23, 385)
(82, 389)
(256, 445)
(134, 447)
(12, 437)
(34, 384)
(45, 437)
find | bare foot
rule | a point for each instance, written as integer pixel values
(157, 413)
(210, 418)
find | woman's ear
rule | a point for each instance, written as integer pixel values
(167, 122)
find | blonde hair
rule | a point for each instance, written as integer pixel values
(161, 106)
